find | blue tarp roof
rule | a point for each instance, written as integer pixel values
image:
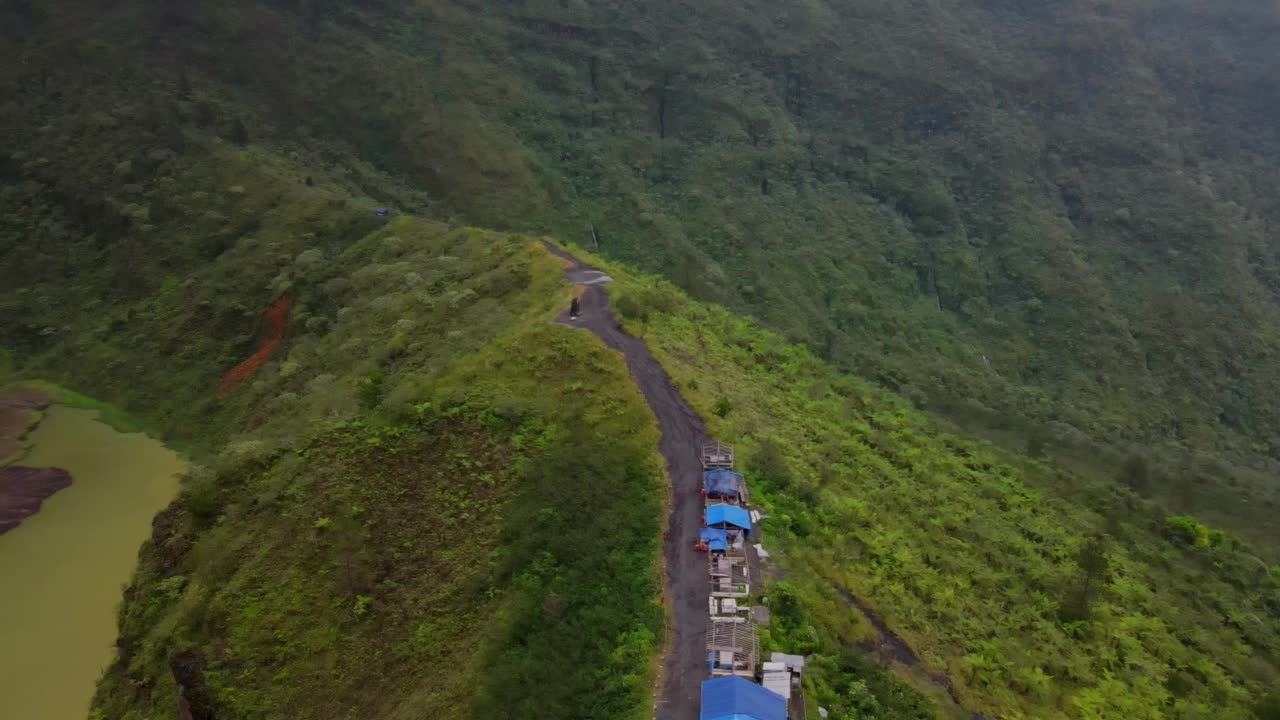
(721, 482)
(729, 514)
(735, 698)
(715, 538)
(707, 533)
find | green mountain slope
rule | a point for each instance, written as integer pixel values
(1043, 222)
(446, 565)
(1051, 226)
(1031, 604)
(333, 569)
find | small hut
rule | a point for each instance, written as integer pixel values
(729, 576)
(724, 485)
(731, 518)
(713, 540)
(734, 698)
(733, 647)
(716, 454)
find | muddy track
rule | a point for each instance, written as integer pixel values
(891, 648)
(682, 435)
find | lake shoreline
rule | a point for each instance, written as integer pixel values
(21, 409)
(69, 561)
(23, 490)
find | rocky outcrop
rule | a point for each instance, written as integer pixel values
(195, 702)
(24, 489)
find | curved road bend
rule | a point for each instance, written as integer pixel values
(683, 433)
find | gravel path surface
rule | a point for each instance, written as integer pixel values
(683, 432)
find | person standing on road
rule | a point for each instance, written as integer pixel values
(574, 308)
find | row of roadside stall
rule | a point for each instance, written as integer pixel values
(740, 686)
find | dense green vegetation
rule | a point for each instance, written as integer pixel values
(1051, 225)
(340, 578)
(1043, 221)
(333, 572)
(1032, 606)
(398, 491)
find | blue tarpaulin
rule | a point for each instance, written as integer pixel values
(736, 698)
(715, 538)
(707, 533)
(719, 515)
(721, 482)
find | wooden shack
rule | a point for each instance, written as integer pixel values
(733, 647)
(716, 454)
(729, 576)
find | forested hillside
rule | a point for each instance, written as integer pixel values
(1052, 223)
(1023, 589)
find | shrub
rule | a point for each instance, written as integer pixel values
(771, 464)
(204, 500)
(723, 407)
(1187, 530)
(1269, 707)
(369, 389)
(1136, 475)
(642, 302)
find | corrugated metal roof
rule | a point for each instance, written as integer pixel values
(731, 696)
(778, 682)
(793, 662)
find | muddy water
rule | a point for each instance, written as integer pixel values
(62, 570)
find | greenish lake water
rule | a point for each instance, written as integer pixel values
(62, 571)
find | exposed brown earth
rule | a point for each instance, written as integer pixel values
(24, 489)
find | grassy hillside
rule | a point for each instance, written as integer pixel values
(1038, 592)
(450, 564)
(404, 496)
(1043, 222)
(399, 490)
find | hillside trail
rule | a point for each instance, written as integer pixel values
(683, 433)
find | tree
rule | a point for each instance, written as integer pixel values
(1035, 443)
(239, 132)
(369, 389)
(1093, 569)
(1186, 530)
(1136, 475)
(1269, 707)
(771, 464)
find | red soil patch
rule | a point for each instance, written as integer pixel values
(23, 489)
(275, 319)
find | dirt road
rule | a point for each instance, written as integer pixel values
(683, 432)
